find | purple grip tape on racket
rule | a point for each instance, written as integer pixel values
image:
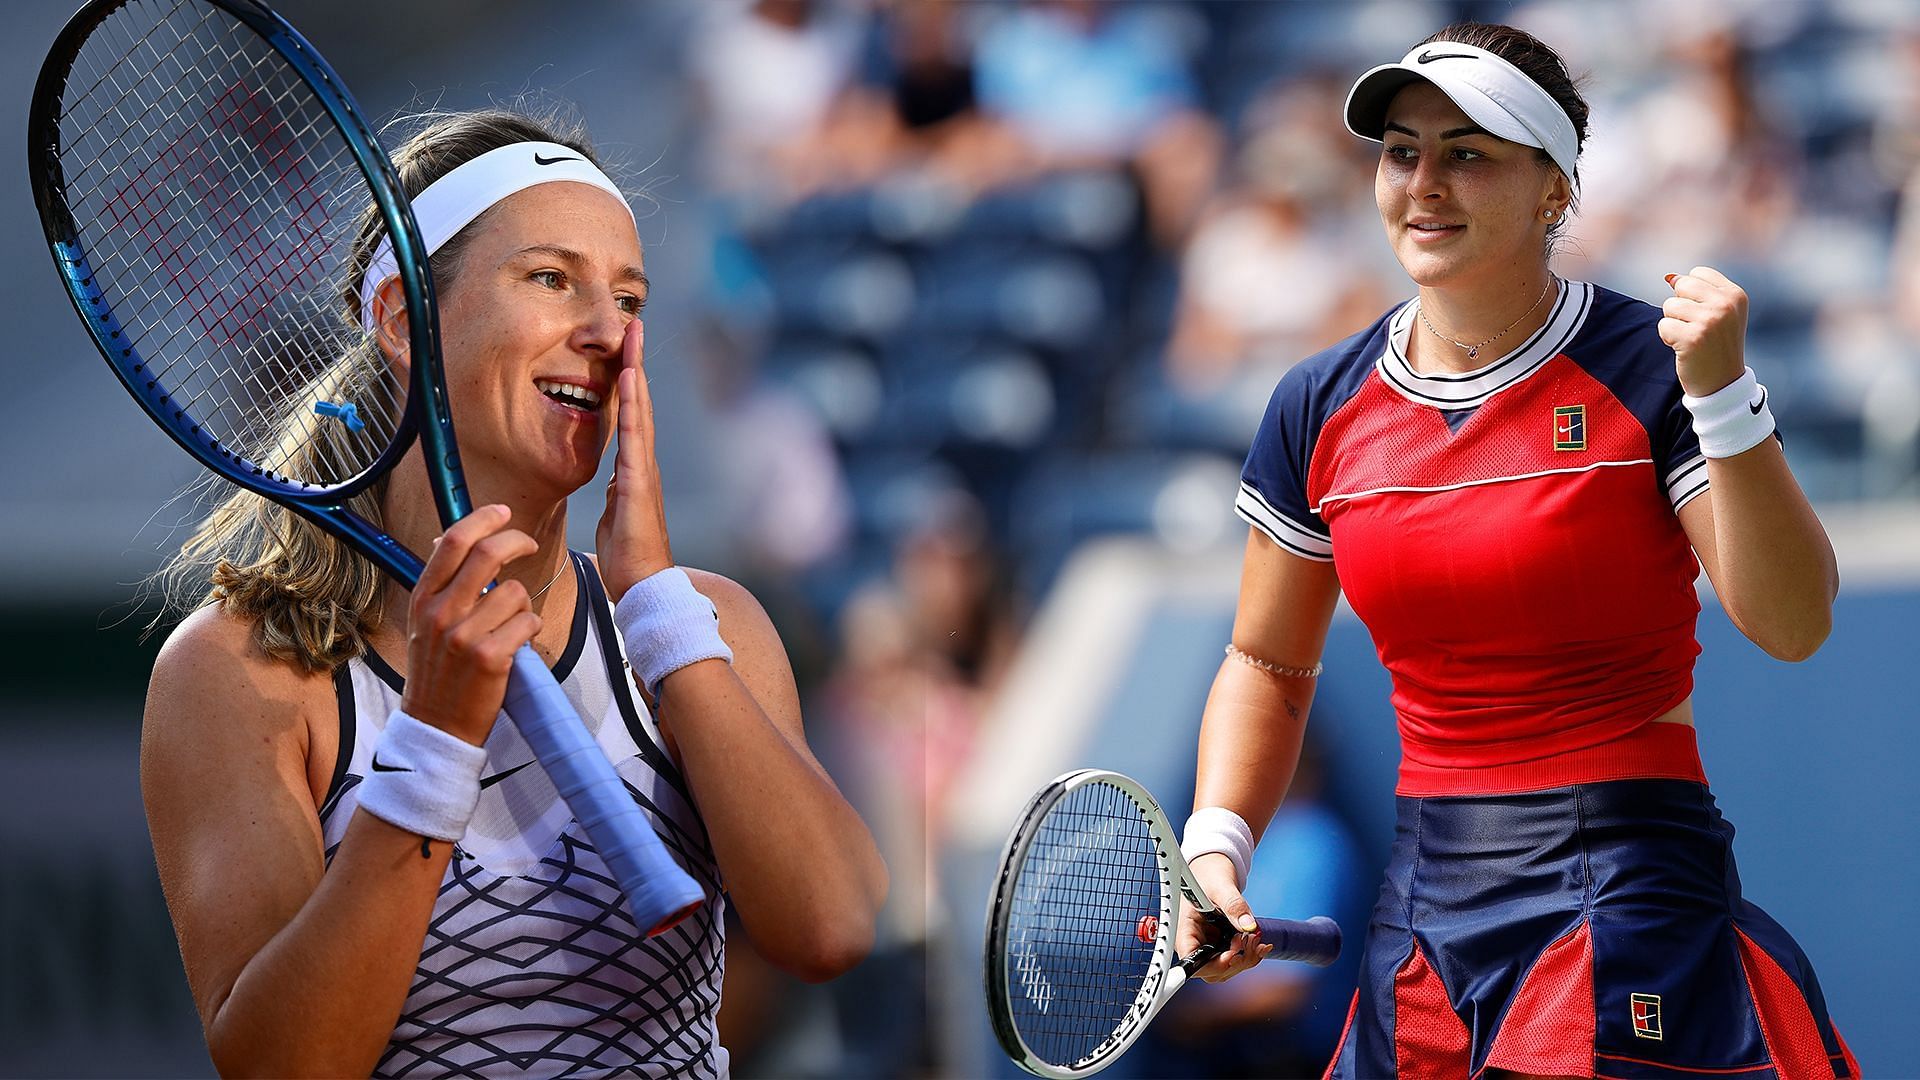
(659, 892)
(1315, 941)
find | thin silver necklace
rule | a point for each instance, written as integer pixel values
(1473, 351)
(550, 581)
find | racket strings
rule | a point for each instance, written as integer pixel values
(1081, 952)
(215, 200)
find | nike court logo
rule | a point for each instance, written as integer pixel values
(1761, 404)
(538, 160)
(488, 781)
(1430, 57)
(379, 766)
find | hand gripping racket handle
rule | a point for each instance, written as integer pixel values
(659, 893)
(1315, 941)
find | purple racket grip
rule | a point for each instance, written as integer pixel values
(1315, 941)
(659, 892)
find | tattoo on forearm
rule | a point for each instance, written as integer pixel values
(1293, 711)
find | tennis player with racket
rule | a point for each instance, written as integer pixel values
(366, 871)
(1515, 479)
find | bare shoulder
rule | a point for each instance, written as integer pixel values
(227, 777)
(743, 621)
(216, 692)
(214, 656)
(744, 624)
(735, 603)
(759, 657)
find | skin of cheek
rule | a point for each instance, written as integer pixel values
(502, 327)
(496, 340)
(1497, 200)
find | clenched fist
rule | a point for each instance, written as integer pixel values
(1705, 323)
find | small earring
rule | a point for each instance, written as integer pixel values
(1548, 214)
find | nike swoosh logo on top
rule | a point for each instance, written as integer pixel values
(1761, 404)
(1430, 57)
(378, 766)
(538, 160)
(488, 781)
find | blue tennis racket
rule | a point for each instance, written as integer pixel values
(1080, 949)
(203, 176)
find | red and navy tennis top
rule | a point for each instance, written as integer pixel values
(1509, 537)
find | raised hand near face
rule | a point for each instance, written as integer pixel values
(632, 537)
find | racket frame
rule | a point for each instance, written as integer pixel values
(426, 415)
(1166, 972)
(1314, 941)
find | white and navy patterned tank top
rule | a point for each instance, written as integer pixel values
(532, 965)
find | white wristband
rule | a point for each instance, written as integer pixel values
(1218, 829)
(1732, 419)
(422, 779)
(667, 625)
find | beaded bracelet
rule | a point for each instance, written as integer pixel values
(1251, 660)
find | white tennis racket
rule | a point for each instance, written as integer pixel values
(1080, 933)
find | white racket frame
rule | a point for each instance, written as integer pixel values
(1166, 972)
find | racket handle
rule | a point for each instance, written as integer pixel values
(1315, 941)
(659, 892)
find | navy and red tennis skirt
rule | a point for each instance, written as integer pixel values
(1591, 930)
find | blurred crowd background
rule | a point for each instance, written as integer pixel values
(947, 295)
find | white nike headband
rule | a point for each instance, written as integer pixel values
(1492, 92)
(450, 203)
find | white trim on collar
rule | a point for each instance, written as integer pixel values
(1471, 389)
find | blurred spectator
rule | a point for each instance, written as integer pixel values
(1899, 151)
(954, 589)
(1270, 275)
(787, 496)
(920, 653)
(770, 75)
(1283, 1017)
(922, 96)
(1697, 169)
(1087, 83)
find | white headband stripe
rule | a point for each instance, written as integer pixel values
(1495, 94)
(450, 203)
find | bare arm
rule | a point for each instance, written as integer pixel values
(293, 972)
(1767, 553)
(798, 862)
(298, 968)
(1254, 720)
(1770, 560)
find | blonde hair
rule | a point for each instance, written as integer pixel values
(312, 599)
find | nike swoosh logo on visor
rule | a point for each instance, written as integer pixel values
(488, 781)
(1430, 57)
(538, 160)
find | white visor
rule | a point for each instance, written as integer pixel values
(1492, 92)
(450, 203)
